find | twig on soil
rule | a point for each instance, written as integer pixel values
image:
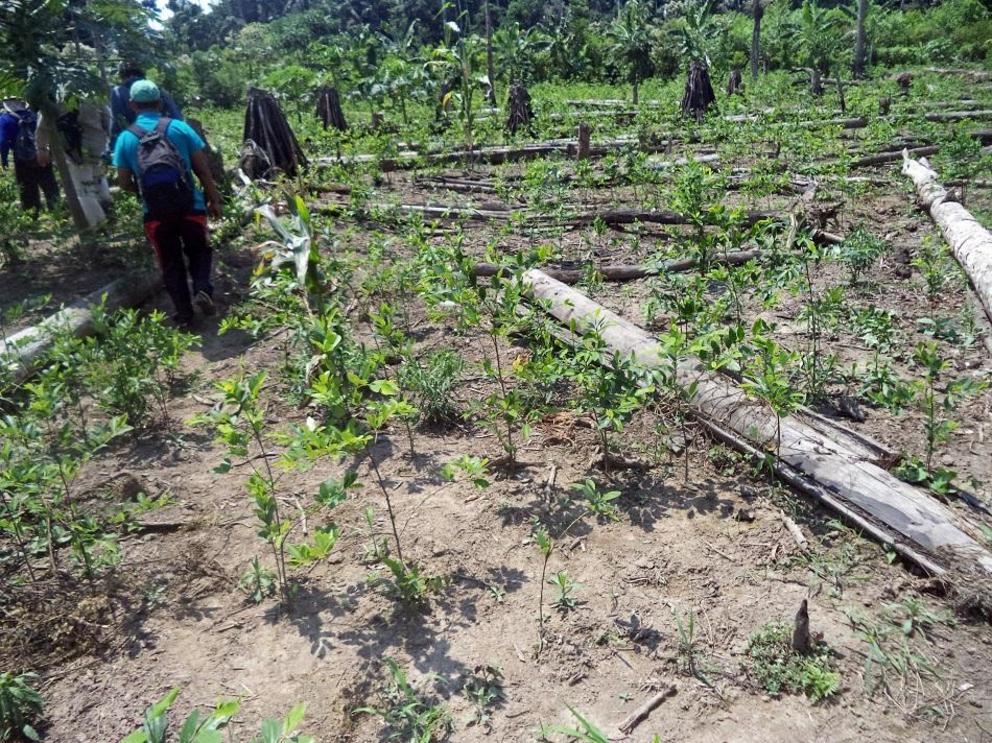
(641, 713)
(793, 528)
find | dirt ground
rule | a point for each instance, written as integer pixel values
(713, 549)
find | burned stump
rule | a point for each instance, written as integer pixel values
(266, 127)
(521, 113)
(214, 159)
(329, 110)
(699, 94)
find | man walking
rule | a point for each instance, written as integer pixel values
(18, 135)
(155, 157)
(122, 114)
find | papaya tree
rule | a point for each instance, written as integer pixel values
(630, 36)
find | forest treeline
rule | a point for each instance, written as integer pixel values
(381, 49)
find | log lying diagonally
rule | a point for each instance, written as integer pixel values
(829, 467)
(970, 242)
(25, 349)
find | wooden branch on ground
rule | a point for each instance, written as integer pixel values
(640, 714)
(25, 349)
(631, 216)
(971, 243)
(626, 272)
(898, 514)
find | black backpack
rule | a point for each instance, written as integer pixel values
(25, 146)
(162, 175)
(72, 134)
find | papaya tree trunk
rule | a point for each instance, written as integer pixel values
(756, 13)
(859, 40)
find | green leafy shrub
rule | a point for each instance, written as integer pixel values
(432, 383)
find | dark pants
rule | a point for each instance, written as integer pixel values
(32, 180)
(173, 239)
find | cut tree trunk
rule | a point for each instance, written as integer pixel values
(911, 522)
(521, 113)
(583, 142)
(266, 126)
(736, 83)
(698, 96)
(958, 115)
(329, 110)
(630, 216)
(970, 242)
(25, 350)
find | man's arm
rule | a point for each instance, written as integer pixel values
(125, 179)
(202, 169)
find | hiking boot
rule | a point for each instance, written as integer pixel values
(183, 321)
(204, 303)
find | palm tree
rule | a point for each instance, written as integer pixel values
(630, 34)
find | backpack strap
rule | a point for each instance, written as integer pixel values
(162, 125)
(137, 131)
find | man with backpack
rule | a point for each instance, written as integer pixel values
(122, 115)
(154, 158)
(18, 128)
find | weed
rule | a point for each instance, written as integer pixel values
(408, 583)
(858, 252)
(474, 468)
(912, 616)
(408, 713)
(20, 706)
(484, 690)
(433, 383)
(600, 503)
(586, 732)
(257, 582)
(565, 601)
(779, 668)
(767, 378)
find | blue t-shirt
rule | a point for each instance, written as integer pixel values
(179, 133)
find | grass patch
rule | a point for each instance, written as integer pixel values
(780, 669)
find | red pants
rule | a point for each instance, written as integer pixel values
(184, 253)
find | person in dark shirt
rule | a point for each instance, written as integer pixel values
(32, 177)
(121, 113)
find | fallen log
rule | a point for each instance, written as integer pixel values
(23, 351)
(626, 272)
(922, 530)
(630, 216)
(887, 157)
(958, 115)
(977, 75)
(971, 243)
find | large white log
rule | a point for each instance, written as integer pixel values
(831, 468)
(23, 350)
(970, 242)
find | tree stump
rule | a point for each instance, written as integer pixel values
(736, 83)
(884, 104)
(699, 94)
(521, 113)
(377, 120)
(585, 136)
(329, 110)
(801, 641)
(815, 83)
(267, 128)
(905, 80)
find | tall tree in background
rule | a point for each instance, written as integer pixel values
(630, 36)
(756, 12)
(859, 41)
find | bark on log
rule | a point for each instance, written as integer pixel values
(735, 84)
(895, 512)
(970, 242)
(25, 349)
(583, 146)
(630, 216)
(521, 112)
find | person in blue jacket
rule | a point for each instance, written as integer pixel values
(31, 175)
(122, 115)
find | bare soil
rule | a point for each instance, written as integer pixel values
(712, 546)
